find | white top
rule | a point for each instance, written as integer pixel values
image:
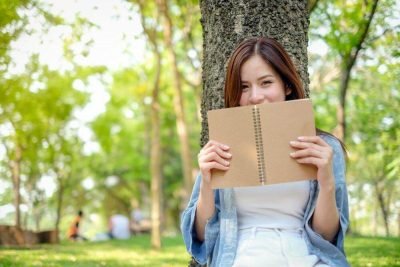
(279, 206)
(120, 227)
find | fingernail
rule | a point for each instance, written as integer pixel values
(229, 155)
(227, 163)
(300, 137)
(225, 146)
(292, 154)
(292, 142)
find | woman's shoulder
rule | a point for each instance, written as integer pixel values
(332, 141)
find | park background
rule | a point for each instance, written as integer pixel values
(101, 110)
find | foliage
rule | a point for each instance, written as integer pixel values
(37, 106)
(371, 104)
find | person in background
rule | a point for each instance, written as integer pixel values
(74, 229)
(118, 227)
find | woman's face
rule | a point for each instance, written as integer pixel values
(260, 83)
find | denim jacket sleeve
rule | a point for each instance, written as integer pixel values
(201, 251)
(339, 171)
(342, 204)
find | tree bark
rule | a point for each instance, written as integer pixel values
(226, 23)
(178, 105)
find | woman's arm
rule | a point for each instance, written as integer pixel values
(200, 250)
(325, 220)
(213, 156)
(205, 209)
(314, 150)
(200, 220)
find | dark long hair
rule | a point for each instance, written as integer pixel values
(273, 54)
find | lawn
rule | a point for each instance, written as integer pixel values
(373, 251)
(361, 251)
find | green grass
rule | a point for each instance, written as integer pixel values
(373, 251)
(134, 252)
(361, 251)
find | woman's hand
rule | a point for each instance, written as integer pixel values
(315, 151)
(213, 155)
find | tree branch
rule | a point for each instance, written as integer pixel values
(312, 4)
(150, 33)
(369, 41)
(351, 60)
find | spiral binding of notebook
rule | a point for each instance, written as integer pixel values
(259, 145)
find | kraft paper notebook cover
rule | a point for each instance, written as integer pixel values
(258, 137)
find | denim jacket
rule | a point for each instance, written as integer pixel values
(219, 245)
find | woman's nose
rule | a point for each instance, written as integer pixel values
(256, 97)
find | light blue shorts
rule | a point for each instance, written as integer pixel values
(273, 247)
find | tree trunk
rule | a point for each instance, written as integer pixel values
(156, 159)
(60, 195)
(37, 217)
(375, 222)
(398, 223)
(340, 130)
(155, 164)
(15, 166)
(178, 106)
(384, 208)
(226, 23)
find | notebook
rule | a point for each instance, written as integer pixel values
(258, 137)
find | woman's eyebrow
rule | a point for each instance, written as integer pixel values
(262, 77)
(265, 76)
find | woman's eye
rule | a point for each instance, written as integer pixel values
(266, 82)
(245, 88)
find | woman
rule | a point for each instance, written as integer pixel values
(292, 224)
